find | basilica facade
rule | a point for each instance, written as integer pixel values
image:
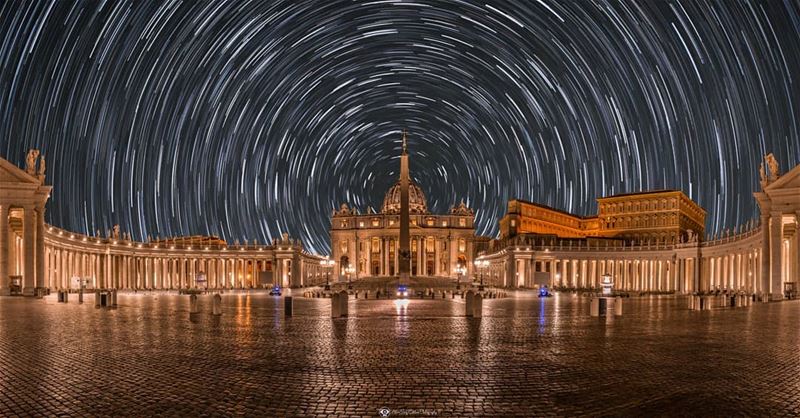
(367, 245)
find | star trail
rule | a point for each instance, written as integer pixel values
(248, 119)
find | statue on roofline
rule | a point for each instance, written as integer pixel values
(772, 163)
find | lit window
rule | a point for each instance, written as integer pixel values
(376, 222)
(361, 224)
(462, 222)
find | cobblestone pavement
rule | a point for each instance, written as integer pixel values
(525, 357)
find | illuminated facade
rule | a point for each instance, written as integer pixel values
(649, 242)
(34, 255)
(365, 245)
(664, 215)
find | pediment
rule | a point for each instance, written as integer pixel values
(10, 173)
(790, 180)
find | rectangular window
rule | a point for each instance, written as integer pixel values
(462, 222)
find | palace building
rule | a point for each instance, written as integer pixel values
(651, 242)
(365, 245)
(662, 215)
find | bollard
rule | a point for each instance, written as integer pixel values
(114, 298)
(96, 298)
(193, 304)
(594, 308)
(343, 300)
(288, 306)
(618, 306)
(470, 302)
(691, 302)
(66, 296)
(216, 306)
(477, 303)
(335, 306)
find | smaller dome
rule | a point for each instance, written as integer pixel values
(416, 199)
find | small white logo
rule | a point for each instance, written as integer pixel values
(384, 412)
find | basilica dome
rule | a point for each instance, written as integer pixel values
(416, 199)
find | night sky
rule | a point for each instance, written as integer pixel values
(247, 119)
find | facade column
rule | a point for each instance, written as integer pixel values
(28, 226)
(384, 257)
(797, 247)
(776, 237)
(765, 256)
(4, 285)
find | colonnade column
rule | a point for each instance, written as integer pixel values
(4, 286)
(28, 250)
(776, 236)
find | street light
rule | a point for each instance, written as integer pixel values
(328, 264)
(481, 265)
(349, 270)
(460, 270)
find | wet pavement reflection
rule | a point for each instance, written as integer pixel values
(527, 356)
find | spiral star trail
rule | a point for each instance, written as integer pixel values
(248, 119)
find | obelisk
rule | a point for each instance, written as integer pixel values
(405, 248)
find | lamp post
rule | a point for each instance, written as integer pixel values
(481, 265)
(460, 270)
(349, 270)
(328, 264)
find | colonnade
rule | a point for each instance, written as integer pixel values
(731, 263)
(73, 260)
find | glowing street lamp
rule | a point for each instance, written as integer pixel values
(349, 270)
(328, 264)
(481, 265)
(460, 271)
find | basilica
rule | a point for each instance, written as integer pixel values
(365, 245)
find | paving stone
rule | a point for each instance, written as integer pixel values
(526, 357)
